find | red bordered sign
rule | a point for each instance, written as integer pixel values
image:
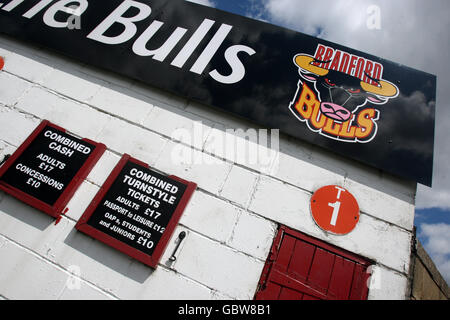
(136, 210)
(49, 166)
(335, 209)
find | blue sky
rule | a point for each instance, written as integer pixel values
(415, 33)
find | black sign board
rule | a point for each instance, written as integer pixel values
(46, 170)
(361, 106)
(137, 210)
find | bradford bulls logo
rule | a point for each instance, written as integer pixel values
(337, 93)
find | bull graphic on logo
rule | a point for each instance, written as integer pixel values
(339, 108)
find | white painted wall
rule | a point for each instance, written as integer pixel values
(230, 221)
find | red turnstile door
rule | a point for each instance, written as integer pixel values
(303, 268)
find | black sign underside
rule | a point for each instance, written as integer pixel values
(46, 167)
(134, 216)
(401, 142)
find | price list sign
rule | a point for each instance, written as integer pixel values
(47, 169)
(137, 210)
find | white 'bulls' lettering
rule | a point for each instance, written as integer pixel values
(121, 15)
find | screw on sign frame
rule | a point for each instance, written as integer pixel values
(334, 209)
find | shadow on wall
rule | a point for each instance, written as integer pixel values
(26, 214)
(94, 75)
(107, 256)
(103, 254)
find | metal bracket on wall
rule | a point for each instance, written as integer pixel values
(181, 236)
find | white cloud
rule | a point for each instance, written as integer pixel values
(438, 240)
(432, 198)
(414, 33)
(438, 245)
(331, 16)
(208, 3)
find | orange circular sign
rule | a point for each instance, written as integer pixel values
(334, 209)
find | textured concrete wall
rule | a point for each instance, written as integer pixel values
(231, 220)
(427, 282)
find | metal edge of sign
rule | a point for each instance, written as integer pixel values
(326, 231)
(149, 260)
(56, 209)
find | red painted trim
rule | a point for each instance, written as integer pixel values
(150, 260)
(270, 272)
(191, 186)
(326, 229)
(269, 263)
(326, 246)
(23, 147)
(80, 176)
(101, 193)
(55, 210)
